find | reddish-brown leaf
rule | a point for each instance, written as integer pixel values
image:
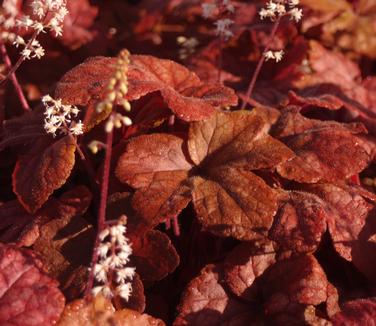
(334, 73)
(351, 224)
(181, 89)
(357, 312)
(293, 283)
(292, 123)
(21, 227)
(324, 155)
(42, 170)
(77, 24)
(327, 101)
(27, 295)
(22, 130)
(234, 203)
(300, 222)
(99, 311)
(154, 256)
(155, 165)
(205, 302)
(244, 265)
(230, 200)
(137, 301)
(64, 246)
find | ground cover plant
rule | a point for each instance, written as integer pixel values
(187, 162)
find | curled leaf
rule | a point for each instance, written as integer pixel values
(180, 88)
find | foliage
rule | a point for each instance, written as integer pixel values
(261, 215)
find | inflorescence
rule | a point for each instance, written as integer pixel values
(117, 89)
(218, 10)
(48, 15)
(277, 9)
(58, 117)
(111, 270)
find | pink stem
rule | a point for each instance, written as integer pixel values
(14, 79)
(102, 209)
(220, 59)
(168, 223)
(175, 225)
(20, 60)
(261, 62)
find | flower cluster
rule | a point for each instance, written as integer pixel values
(8, 14)
(117, 89)
(111, 271)
(49, 16)
(187, 46)
(278, 8)
(275, 55)
(58, 117)
(218, 10)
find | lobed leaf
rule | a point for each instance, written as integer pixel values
(351, 224)
(180, 88)
(27, 295)
(157, 166)
(294, 283)
(300, 222)
(229, 199)
(244, 265)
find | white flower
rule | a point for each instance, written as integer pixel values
(278, 55)
(269, 55)
(97, 290)
(100, 272)
(113, 256)
(26, 53)
(296, 14)
(222, 27)
(19, 41)
(103, 249)
(124, 274)
(265, 13)
(229, 6)
(281, 9)
(208, 9)
(59, 114)
(77, 128)
(272, 6)
(39, 52)
(124, 290)
(39, 27)
(293, 3)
